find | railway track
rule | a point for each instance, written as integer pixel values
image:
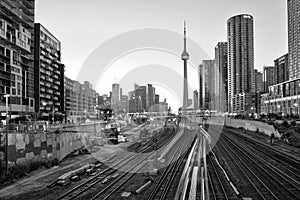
(114, 187)
(218, 188)
(265, 180)
(287, 164)
(129, 163)
(164, 184)
(282, 184)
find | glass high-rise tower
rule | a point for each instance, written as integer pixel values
(240, 63)
(294, 38)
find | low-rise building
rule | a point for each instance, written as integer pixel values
(283, 99)
(81, 100)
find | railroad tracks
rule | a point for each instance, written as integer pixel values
(164, 184)
(258, 177)
(130, 165)
(219, 187)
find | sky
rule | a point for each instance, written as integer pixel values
(84, 26)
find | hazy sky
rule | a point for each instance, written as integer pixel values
(82, 26)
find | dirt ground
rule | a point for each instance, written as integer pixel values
(34, 186)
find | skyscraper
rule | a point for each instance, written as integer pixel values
(141, 98)
(281, 73)
(268, 77)
(150, 97)
(294, 38)
(240, 63)
(196, 100)
(115, 97)
(258, 81)
(16, 55)
(208, 84)
(222, 75)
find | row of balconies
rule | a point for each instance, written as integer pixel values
(49, 49)
(17, 13)
(20, 36)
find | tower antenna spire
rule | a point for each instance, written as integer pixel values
(184, 31)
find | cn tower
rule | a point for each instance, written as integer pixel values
(185, 57)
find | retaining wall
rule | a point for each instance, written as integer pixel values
(252, 125)
(24, 148)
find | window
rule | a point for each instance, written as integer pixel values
(31, 102)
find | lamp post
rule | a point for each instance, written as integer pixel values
(6, 133)
(296, 108)
(45, 104)
(252, 109)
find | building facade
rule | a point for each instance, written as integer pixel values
(240, 63)
(150, 97)
(124, 103)
(115, 97)
(141, 98)
(258, 81)
(221, 57)
(81, 101)
(16, 56)
(294, 38)
(268, 77)
(48, 73)
(283, 99)
(208, 82)
(196, 100)
(281, 70)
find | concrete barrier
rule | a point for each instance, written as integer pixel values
(27, 147)
(253, 126)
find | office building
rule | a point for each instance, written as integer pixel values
(16, 56)
(283, 99)
(294, 38)
(258, 81)
(82, 101)
(150, 97)
(281, 72)
(240, 64)
(156, 99)
(48, 73)
(124, 104)
(141, 98)
(115, 98)
(208, 83)
(268, 77)
(196, 100)
(221, 57)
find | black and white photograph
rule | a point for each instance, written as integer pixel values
(150, 100)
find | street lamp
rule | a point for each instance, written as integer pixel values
(6, 133)
(296, 108)
(44, 103)
(6, 99)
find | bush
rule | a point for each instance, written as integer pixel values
(285, 123)
(293, 123)
(295, 141)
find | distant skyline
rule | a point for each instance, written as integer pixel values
(82, 27)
